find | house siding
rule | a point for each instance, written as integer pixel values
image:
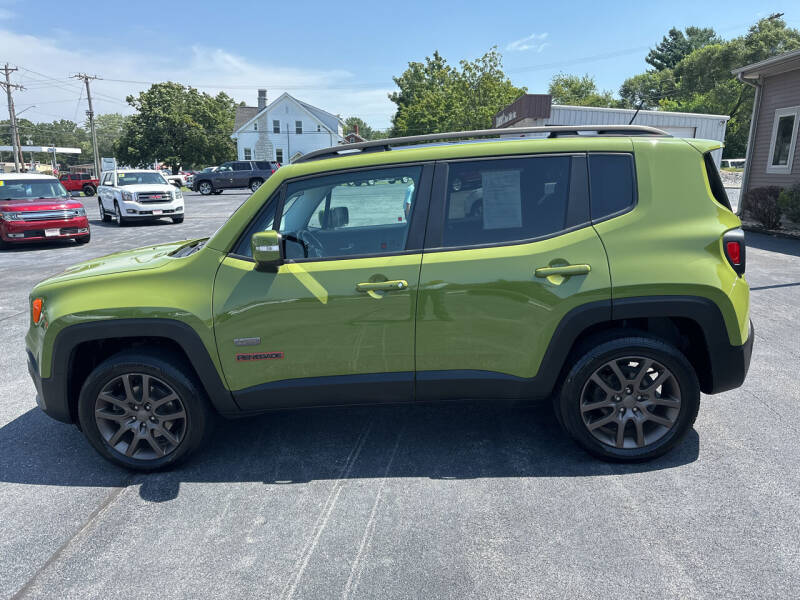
(778, 91)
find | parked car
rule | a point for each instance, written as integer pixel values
(735, 163)
(190, 179)
(134, 194)
(79, 182)
(36, 208)
(178, 179)
(468, 270)
(235, 174)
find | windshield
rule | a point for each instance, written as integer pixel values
(140, 177)
(30, 189)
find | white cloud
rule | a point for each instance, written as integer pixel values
(535, 41)
(210, 69)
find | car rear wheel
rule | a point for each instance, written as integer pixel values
(89, 190)
(118, 215)
(144, 411)
(177, 219)
(217, 192)
(205, 188)
(84, 239)
(629, 399)
(255, 184)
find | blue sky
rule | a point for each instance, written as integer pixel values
(340, 56)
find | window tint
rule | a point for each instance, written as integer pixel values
(495, 201)
(241, 166)
(262, 222)
(715, 181)
(108, 179)
(366, 212)
(783, 140)
(611, 183)
(263, 164)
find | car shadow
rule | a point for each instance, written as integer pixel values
(772, 243)
(97, 222)
(454, 440)
(37, 246)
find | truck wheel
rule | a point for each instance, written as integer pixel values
(89, 190)
(84, 239)
(118, 215)
(255, 184)
(144, 410)
(104, 216)
(629, 399)
(205, 188)
(177, 220)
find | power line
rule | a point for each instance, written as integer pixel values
(90, 113)
(8, 86)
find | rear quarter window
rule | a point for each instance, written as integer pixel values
(612, 184)
(715, 181)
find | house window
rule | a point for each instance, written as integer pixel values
(298, 127)
(784, 140)
(319, 128)
(248, 154)
(255, 126)
(276, 126)
(279, 155)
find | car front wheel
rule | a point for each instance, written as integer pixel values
(205, 188)
(629, 399)
(255, 184)
(144, 411)
(118, 215)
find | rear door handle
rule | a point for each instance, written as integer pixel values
(565, 270)
(395, 284)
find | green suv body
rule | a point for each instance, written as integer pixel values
(604, 271)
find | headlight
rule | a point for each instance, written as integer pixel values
(178, 194)
(80, 212)
(127, 196)
(9, 216)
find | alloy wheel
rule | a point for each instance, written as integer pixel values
(140, 416)
(102, 212)
(205, 188)
(630, 402)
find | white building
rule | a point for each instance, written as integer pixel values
(284, 129)
(533, 110)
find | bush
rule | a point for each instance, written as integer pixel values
(789, 202)
(762, 205)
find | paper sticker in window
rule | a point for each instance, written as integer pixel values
(502, 199)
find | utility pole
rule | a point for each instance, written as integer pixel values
(90, 113)
(12, 115)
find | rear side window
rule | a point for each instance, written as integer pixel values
(715, 181)
(241, 166)
(507, 200)
(612, 184)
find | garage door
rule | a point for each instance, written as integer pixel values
(684, 132)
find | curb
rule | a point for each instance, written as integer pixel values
(772, 232)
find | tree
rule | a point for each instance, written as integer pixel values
(676, 45)
(109, 129)
(435, 97)
(178, 126)
(364, 130)
(579, 91)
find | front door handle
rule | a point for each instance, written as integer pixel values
(395, 284)
(565, 270)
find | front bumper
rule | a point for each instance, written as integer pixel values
(48, 397)
(37, 231)
(151, 210)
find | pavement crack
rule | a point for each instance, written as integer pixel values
(94, 516)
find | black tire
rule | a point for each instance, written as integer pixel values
(255, 184)
(571, 405)
(89, 190)
(195, 427)
(104, 216)
(84, 239)
(205, 188)
(177, 219)
(118, 215)
(217, 192)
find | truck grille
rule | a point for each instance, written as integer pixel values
(153, 197)
(48, 215)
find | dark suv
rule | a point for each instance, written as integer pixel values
(235, 174)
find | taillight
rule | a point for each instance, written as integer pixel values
(36, 310)
(733, 244)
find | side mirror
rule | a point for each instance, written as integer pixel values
(266, 247)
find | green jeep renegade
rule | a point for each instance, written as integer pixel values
(600, 267)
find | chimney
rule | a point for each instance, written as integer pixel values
(262, 99)
(356, 128)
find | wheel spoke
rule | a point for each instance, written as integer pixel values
(106, 397)
(117, 435)
(639, 424)
(126, 382)
(658, 419)
(604, 421)
(162, 401)
(646, 364)
(618, 372)
(145, 388)
(131, 449)
(662, 377)
(167, 435)
(155, 446)
(668, 402)
(603, 385)
(103, 413)
(620, 439)
(595, 405)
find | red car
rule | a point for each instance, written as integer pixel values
(35, 208)
(79, 182)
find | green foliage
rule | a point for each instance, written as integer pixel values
(178, 126)
(579, 91)
(109, 130)
(364, 130)
(675, 46)
(63, 133)
(789, 202)
(762, 205)
(435, 97)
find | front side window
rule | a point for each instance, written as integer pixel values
(276, 126)
(784, 139)
(228, 166)
(497, 201)
(350, 214)
(298, 127)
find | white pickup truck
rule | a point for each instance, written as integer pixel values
(137, 194)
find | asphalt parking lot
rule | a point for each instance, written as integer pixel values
(454, 500)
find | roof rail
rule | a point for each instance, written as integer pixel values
(553, 131)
